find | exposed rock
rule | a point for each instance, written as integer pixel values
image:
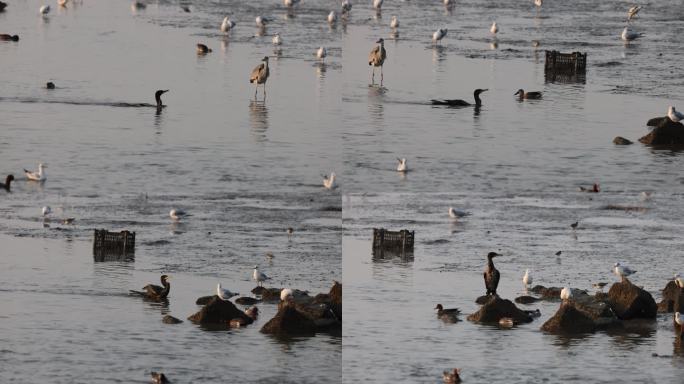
(631, 302)
(496, 308)
(656, 121)
(671, 293)
(619, 140)
(582, 314)
(218, 311)
(526, 299)
(482, 299)
(289, 321)
(336, 299)
(246, 300)
(204, 300)
(665, 133)
(549, 293)
(168, 319)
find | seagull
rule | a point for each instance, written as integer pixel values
(277, 40)
(644, 196)
(37, 176)
(329, 182)
(321, 53)
(286, 293)
(401, 167)
(44, 10)
(261, 21)
(538, 3)
(177, 214)
(377, 4)
(394, 23)
(439, 35)
(259, 276)
(527, 279)
(456, 213)
(47, 210)
(494, 28)
(623, 271)
(628, 34)
(346, 7)
(223, 293)
(227, 24)
(632, 12)
(332, 17)
(566, 293)
(290, 3)
(678, 319)
(674, 115)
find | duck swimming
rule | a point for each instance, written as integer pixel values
(491, 274)
(50, 85)
(8, 181)
(155, 292)
(202, 49)
(7, 37)
(447, 314)
(461, 103)
(528, 95)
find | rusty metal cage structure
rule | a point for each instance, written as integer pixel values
(113, 246)
(385, 239)
(575, 62)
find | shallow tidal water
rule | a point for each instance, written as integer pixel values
(246, 170)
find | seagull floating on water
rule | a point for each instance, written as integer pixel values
(227, 24)
(277, 40)
(629, 35)
(224, 294)
(457, 213)
(459, 102)
(321, 53)
(622, 271)
(632, 12)
(329, 181)
(566, 293)
(177, 214)
(527, 278)
(44, 10)
(259, 276)
(394, 23)
(674, 115)
(37, 176)
(494, 28)
(401, 167)
(439, 35)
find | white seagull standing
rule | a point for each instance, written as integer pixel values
(674, 115)
(629, 35)
(377, 4)
(332, 17)
(37, 176)
(455, 213)
(538, 3)
(329, 181)
(494, 28)
(623, 271)
(527, 279)
(632, 12)
(277, 40)
(47, 210)
(177, 214)
(566, 294)
(401, 167)
(44, 10)
(439, 35)
(227, 24)
(261, 21)
(321, 53)
(223, 293)
(645, 196)
(449, 3)
(394, 23)
(259, 276)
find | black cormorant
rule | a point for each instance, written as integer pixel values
(459, 102)
(8, 181)
(155, 292)
(491, 274)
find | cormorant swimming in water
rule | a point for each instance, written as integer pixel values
(155, 292)
(157, 97)
(8, 181)
(460, 103)
(491, 274)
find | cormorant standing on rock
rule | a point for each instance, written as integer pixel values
(155, 292)
(491, 274)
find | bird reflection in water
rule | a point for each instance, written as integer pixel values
(438, 53)
(258, 119)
